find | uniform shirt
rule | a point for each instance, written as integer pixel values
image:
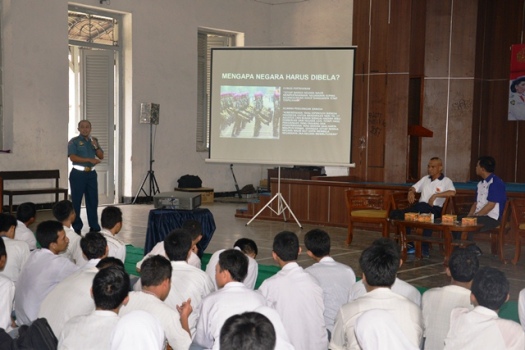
(406, 314)
(516, 106)
(521, 308)
(169, 318)
(298, 299)
(70, 298)
(491, 189)
(7, 296)
(428, 187)
(251, 277)
(336, 279)
(399, 287)
(158, 249)
(138, 330)
(232, 299)
(81, 147)
(73, 251)
(88, 332)
(282, 342)
(437, 304)
(481, 328)
(41, 273)
(117, 249)
(188, 282)
(17, 252)
(23, 233)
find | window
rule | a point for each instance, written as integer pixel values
(206, 41)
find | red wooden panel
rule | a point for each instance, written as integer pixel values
(318, 208)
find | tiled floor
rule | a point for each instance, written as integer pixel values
(424, 273)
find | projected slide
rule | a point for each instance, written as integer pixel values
(282, 106)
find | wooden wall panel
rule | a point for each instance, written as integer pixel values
(417, 22)
(360, 37)
(299, 202)
(376, 121)
(379, 36)
(398, 37)
(434, 118)
(463, 39)
(520, 152)
(437, 38)
(359, 127)
(318, 210)
(338, 212)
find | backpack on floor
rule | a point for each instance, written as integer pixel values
(189, 181)
(37, 336)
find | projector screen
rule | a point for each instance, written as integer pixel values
(283, 106)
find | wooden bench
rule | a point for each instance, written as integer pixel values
(31, 175)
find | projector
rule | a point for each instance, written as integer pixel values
(177, 200)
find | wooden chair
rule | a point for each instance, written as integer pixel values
(497, 236)
(517, 206)
(368, 207)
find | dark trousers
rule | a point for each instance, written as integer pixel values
(487, 222)
(84, 183)
(419, 207)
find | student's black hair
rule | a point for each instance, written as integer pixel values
(286, 246)
(490, 286)
(155, 270)
(110, 287)
(110, 261)
(177, 244)
(235, 262)
(248, 246)
(380, 263)
(47, 232)
(26, 211)
(318, 242)
(62, 210)
(488, 163)
(6, 221)
(111, 216)
(194, 228)
(463, 265)
(248, 331)
(93, 245)
(3, 251)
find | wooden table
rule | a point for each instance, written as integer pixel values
(446, 239)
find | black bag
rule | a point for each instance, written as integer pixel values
(37, 336)
(189, 181)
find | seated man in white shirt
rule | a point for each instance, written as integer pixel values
(64, 212)
(248, 331)
(138, 330)
(111, 221)
(44, 269)
(18, 251)
(249, 248)
(521, 308)
(93, 331)
(195, 229)
(379, 264)
(437, 303)
(72, 297)
(26, 215)
(156, 284)
(296, 296)
(187, 282)
(7, 293)
(233, 297)
(482, 328)
(335, 278)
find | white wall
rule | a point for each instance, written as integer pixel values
(160, 66)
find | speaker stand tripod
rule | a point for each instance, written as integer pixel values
(153, 185)
(281, 204)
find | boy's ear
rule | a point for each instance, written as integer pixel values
(3, 260)
(300, 250)
(447, 271)
(310, 254)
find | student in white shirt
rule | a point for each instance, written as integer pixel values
(335, 278)
(379, 264)
(26, 215)
(195, 229)
(156, 284)
(296, 296)
(187, 282)
(93, 331)
(438, 303)
(18, 251)
(233, 297)
(44, 269)
(249, 248)
(111, 221)
(521, 308)
(482, 328)
(248, 331)
(72, 297)
(64, 212)
(138, 330)
(7, 293)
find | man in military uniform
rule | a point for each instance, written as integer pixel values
(85, 153)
